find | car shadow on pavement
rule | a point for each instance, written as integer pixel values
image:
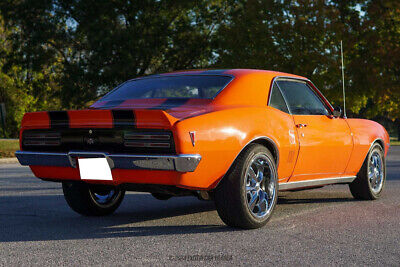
(47, 217)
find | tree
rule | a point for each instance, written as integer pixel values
(22, 89)
(382, 44)
(65, 53)
(301, 37)
(103, 43)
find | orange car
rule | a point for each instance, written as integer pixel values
(236, 136)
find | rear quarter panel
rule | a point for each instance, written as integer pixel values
(221, 135)
(365, 133)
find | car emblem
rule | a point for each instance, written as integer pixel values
(90, 141)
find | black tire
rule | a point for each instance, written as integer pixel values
(362, 187)
(161, 196)
(85, 199)
(231, 197)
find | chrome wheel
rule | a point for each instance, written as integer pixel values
(104, 198)
(375, 172)
(260, 186)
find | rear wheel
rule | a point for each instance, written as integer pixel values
(371, 178)
(92, 200)
(247, 195)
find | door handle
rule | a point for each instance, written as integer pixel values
(301, 125)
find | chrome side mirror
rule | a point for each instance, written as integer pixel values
(337, 112)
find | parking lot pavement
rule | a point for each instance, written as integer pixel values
(315, 227)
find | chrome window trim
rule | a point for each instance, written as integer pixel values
(301, 80)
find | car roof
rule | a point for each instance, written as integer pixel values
(231, 72)
(248, 87)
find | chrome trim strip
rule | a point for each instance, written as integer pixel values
(318, 182)
(179, 163)
(73, 155)
(39, 159)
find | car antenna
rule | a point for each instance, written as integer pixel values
(344, 91)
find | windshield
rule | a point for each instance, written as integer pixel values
(184, 86)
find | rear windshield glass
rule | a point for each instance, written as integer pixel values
(185, 86)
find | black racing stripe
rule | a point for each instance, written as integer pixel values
(172, 103)
(123, 118)
(112, 103)
(58, 119)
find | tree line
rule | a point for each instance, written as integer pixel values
(63, 54)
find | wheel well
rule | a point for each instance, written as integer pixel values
(380, 141)
(262, 141)
(271, 147)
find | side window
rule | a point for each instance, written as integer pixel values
(301, 98)
(276, 100)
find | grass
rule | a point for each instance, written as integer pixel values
(394, 141)
(8, 147)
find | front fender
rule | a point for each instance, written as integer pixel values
(365, 133)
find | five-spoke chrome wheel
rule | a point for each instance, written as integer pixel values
(375, 172)
(260, 188)
(247, 195)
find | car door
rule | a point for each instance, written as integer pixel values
(325, 141)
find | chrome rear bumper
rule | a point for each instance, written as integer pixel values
(179, 163)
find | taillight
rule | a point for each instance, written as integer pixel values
(41, 139)
(147, 140)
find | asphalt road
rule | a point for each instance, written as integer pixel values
(316, 227)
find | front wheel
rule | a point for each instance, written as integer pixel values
(92, 200)
(371, 178)
(247, 195)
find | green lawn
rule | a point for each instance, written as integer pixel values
(394, 141)
(8, 147)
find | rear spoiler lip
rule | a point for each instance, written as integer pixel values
(99, 118)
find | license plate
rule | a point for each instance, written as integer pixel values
(95, 169)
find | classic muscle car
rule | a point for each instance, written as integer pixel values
(235, 136)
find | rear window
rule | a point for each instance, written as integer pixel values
(184, 86)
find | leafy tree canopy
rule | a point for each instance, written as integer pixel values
(61, 54)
